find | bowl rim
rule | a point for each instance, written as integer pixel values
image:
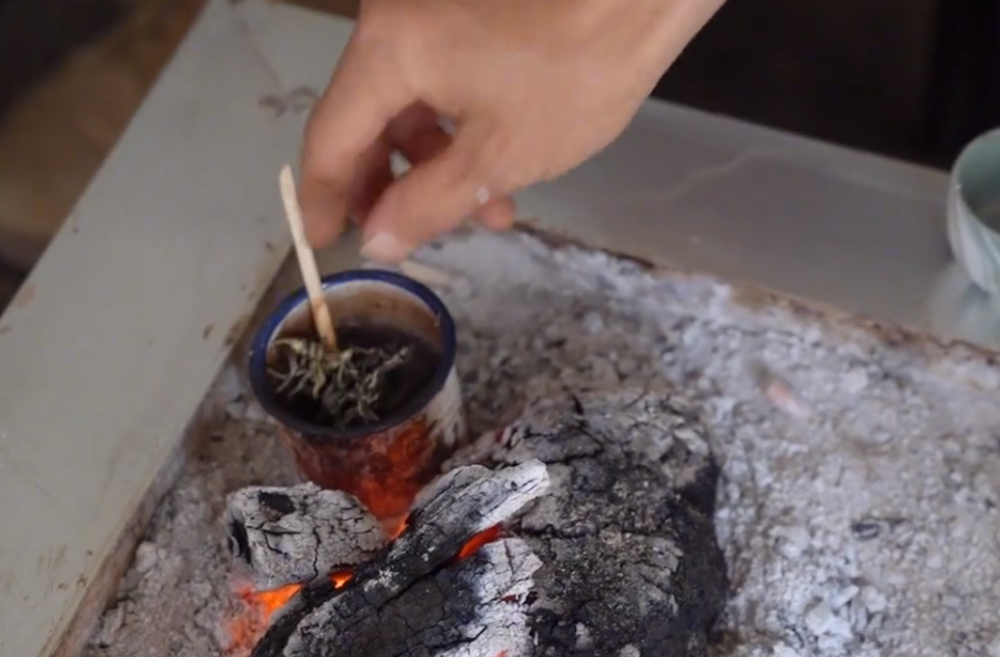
(965, 228)
(257, 365)
(957, 184)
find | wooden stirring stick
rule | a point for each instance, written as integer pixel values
(307, 261)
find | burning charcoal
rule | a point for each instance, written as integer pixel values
(486, 498)
(474, 609)
(293, 535)
(423, 595)
(625, 535)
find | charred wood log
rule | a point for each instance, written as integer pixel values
(417, 597)
(292, 535)
(631, 565)
(474, 608)
(619, 558)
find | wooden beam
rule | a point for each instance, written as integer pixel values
(39, 34)
(110, 346)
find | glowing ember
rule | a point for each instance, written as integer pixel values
(246, 629)
(341, 578)
(249, 627)
(268, 602)
(395, 526)
(478, 541)
(451, 516)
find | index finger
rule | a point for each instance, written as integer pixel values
(364, 94)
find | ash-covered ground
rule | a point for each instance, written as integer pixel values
(857, 506)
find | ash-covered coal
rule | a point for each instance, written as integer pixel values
(623, 545)
(282, 536)
(420, 597)
(625, 535)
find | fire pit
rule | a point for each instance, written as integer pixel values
(666, 465)
(629, 515)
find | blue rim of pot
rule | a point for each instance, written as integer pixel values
(263, 388)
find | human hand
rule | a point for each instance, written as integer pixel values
(534, 89)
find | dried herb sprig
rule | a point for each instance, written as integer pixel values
(346, 385)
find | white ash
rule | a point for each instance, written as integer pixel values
(488, 498)
(289, 535)
(499, 575)
(883, 477)
(887, 485)
(177, 597)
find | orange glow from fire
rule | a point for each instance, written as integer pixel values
(393, 527)
(478, 541)
(340, 578)
(246, 629)
(271, 601)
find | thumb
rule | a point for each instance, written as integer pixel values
(431, 198)
(344, 127)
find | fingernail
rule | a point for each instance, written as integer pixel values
(384, 247)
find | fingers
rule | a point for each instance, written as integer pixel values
(419, 136)
(498, 213)
(375, 176)
(364, 94)
(431, 198)
(416, 208)
(415, 134)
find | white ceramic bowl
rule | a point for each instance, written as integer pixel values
(974, 211)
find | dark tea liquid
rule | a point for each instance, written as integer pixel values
(399, 386)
